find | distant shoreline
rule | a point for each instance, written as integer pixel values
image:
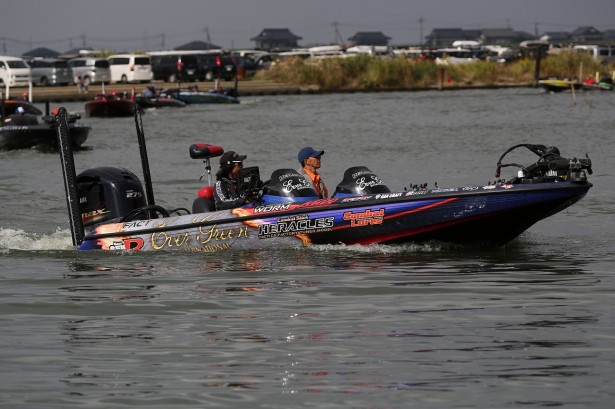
(246, 89)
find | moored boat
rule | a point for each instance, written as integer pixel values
(110, 210)
(31, 129)
(603, 84)
(557, 85)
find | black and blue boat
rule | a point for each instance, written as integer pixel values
(110, 209)
(32, 129)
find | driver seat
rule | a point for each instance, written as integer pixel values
(205, 200)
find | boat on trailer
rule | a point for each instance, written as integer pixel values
(110, 209)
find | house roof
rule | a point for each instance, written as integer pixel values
(40, 52)
(369, 35)
(499, 33)
(585, 30)
(198, 45)
(276, 34)
(454, 34)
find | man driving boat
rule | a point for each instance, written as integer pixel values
(226, 195)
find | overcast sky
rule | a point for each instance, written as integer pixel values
(124, 25)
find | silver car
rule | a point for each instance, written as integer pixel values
(90, 70)
(50, 71)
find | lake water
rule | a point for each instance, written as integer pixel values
(530, 324)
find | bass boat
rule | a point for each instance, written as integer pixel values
(159, 102)
(557, 85)
(217, 95)
(113, 104)
(110, 209)
(32, 129)
(157, 98)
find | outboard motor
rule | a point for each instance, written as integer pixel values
(359, 180)
(288, 186)
(108, 193)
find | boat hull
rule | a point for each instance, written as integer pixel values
(40, 135)
(159, 102)
(487, 215)
(109, 108)
(559, 85)
(199, 97)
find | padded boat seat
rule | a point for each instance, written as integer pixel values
(206, 192)
(205, 200)
(201, 150)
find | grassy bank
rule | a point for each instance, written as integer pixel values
(367, 72)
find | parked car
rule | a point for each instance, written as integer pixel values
(216, 65)
(130, 68)
(90, 69)
(173, 66)
(14, 71)
(51, 71)
(249, 62)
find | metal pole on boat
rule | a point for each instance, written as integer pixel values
(70, 178)
(30, 91)
(537, 66)
(147, 179)
(7, 90)
(2, 110)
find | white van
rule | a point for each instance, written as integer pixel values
(130, 68)
(14, 71)
(601, 53)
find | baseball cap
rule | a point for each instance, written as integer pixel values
(231, 156)
(308, 152)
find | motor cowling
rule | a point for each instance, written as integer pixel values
(359, 180)
(288, 186)
(108, 193)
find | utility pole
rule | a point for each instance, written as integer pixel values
(421, 20)
(163, 35)
(207, 36)
(338, 36)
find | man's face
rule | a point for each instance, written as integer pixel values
(235, 170)
(314, 162)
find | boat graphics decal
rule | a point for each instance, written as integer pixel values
(366, 218)
(316, 222)
(290, 226)
(94, 216)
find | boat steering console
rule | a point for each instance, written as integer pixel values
(549, 167)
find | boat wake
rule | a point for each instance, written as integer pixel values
(12, 239)
(429, 247)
